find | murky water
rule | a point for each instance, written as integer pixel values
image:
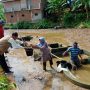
(29, 74)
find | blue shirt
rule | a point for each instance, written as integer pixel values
(74, 52)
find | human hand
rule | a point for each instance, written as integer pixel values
(63, 54)
(25, 43)
(31, 45)
(6, 51)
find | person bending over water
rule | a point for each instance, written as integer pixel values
(45, 52)
(15, 42)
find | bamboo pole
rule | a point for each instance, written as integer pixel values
(57, 57)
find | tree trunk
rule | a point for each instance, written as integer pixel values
(86, 8)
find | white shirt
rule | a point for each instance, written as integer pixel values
(15, 43)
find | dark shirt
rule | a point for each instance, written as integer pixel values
(1, 31)
(74, 52)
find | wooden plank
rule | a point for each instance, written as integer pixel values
(57, 57)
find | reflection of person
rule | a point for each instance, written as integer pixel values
(15, 43)
(2, 57)
(75, 52)
(46, 55)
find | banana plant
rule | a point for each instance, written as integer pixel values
(2, 11)
(55, 6)
(85, 3)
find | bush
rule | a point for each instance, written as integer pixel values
(5, 84)
(85, 24)
(73, 20)
(80, 17)
(7, 26)
(21, 25)
(42, 24)
(13, 26)
(68, 20)
(10, 26)
(24, 24)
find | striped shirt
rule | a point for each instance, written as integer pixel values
(74, 52)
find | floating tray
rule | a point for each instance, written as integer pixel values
(81, 76)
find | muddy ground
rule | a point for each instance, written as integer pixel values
(29, 74)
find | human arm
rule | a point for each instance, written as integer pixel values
(22, 43)
(34, 46)
(37, 46)
(19, 42)
(68, 50)
(15, 43)
(65, 53)
(80, 54)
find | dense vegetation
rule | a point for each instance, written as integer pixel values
(70, 13)
(5, 84)
(2, 12)
(59, 13)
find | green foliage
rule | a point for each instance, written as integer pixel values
(80, 17)
(7, 26)
(2, 11)
(68, 20)
(42, 24)
(54, 9)
(55, 6)
(5, 84)
(85, 24)
(58, 14)
(83, 4)
(72, 20)
(79, 3)
(23, 25)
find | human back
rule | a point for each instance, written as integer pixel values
(74, 51)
